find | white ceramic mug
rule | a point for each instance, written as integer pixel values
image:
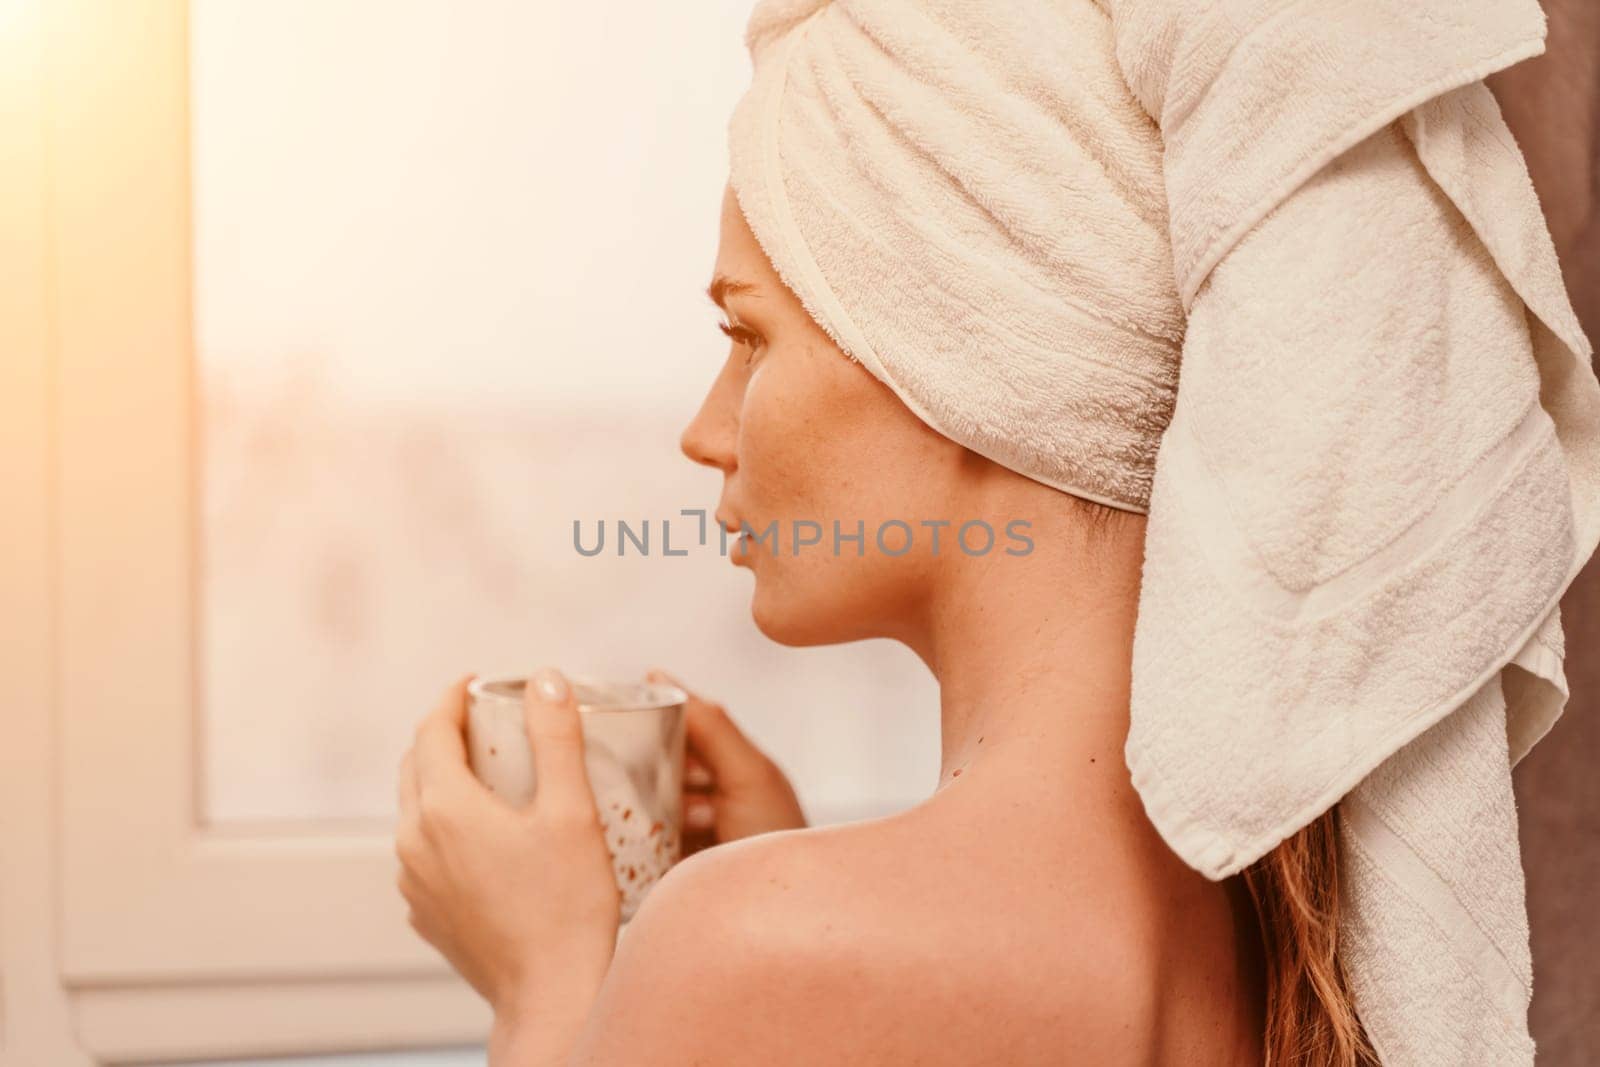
(633, 739)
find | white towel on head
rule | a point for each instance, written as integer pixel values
(1379, 470)
(957, 220)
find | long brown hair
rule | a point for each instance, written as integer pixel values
(1311, 1015)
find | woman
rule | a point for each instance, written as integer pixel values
(1026, 913)
(961, 252)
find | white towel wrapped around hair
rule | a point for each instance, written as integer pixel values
(1380, 466)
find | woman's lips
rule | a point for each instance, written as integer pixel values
(740, 545)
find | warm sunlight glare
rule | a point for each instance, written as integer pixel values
(12, 12)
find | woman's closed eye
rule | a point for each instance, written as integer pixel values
(742, 336)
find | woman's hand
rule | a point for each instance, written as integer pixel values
(522, 902)
(731, 788)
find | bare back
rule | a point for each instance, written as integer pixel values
(974, 928)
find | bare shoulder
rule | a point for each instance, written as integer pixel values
(878, 942)
(737, 956)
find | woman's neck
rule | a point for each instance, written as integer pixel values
(1033, 653)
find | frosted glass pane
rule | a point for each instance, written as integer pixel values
(449, 262)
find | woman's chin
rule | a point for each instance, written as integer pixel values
(799, 621)
(774, 623)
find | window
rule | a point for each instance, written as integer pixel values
(351, 311)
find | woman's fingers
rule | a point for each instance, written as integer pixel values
(699, 809)
(408, 784)
(699, 813)
(697, 778)
(727, 753)
(440, 750)
(555, 732)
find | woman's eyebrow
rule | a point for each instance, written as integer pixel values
(723, 286)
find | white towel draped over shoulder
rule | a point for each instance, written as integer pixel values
(1382, 472)
(1285, 286)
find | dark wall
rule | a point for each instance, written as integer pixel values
(1552, 104)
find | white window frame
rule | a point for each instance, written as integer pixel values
(129, 930)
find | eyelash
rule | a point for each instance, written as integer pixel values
(742, 336)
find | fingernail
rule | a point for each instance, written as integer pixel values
(550, 686)
(698, 777)
(700, 816)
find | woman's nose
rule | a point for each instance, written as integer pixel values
(709, 438)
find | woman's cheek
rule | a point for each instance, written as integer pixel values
(770, 425)
(810, 430)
